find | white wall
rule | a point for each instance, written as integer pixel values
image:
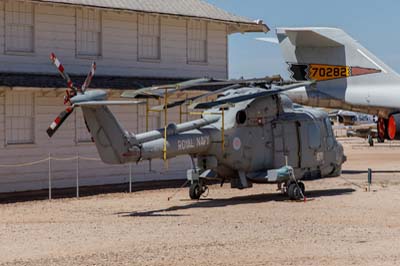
(55, 31)
(63, 145)
(2, 27)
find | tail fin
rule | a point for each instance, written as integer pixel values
(109, 136)
(326, 54)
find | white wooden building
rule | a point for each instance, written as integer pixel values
(135, 43)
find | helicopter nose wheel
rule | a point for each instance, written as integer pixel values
(197, 189)
(296, 191)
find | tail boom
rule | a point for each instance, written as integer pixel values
(117, 146)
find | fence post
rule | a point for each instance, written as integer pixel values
(49, 176)
(369, 179)
(130, 178)
(77, 175)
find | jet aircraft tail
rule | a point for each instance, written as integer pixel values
(330, 55)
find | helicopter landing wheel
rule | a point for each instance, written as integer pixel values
(302, 187)
(296, 191)
(370, 141)
(197, 189)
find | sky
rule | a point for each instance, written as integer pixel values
(375, 24)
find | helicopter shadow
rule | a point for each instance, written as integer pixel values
(240, 200)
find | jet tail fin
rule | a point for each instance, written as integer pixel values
(326, 54)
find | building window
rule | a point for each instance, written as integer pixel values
(149, 37)
(197, 41)
(19, 27)
(88, 32)
(19, 117)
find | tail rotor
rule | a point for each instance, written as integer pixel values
(89, 78)
(71, 92)
(59, 121)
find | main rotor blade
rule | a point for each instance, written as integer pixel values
(266, 80)
(246, 97)
(89, 78)
(294, 85)
(235, 99)
(59, 121)
(62, 72)
(186, 84)
(152, 92)
(169, 106)
(191, 99)
(101, 103)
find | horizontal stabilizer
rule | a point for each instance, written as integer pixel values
(313, 37)
(269, 39)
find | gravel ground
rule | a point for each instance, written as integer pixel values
(340, 224)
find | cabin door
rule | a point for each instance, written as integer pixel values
(286, 143)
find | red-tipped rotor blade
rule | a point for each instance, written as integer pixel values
(89, 78)
(62, 72)
(58, 121)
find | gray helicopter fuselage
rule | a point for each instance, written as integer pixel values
(249, 134)
(263, 133)
(258, 135)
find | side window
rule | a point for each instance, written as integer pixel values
(19, 27)
(329, 132)
(197, 41)
(19, 117)
(149, 37)
(328, 126)
(314, 136)
(88, 32)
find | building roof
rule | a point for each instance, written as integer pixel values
(25, 80)
(52, 82)
(186, 8)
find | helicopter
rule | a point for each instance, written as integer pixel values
(251, 133)
(357, 125)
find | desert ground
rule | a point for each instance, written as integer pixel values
(339, 224)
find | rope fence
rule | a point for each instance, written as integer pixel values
(78, 158)
(24, 164)
(50, 158)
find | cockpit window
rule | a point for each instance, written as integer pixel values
(328, 125)
(314, 136)
(241, 117)
(329, 132)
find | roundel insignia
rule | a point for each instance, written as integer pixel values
(237, 143)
